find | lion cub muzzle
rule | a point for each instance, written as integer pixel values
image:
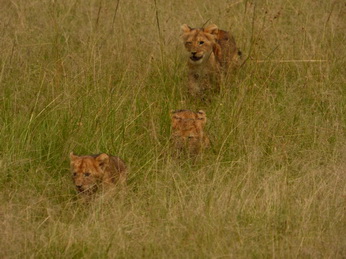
(195, 57)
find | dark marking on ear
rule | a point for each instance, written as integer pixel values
(102, 159)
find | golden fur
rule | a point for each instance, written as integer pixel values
(211, 51)
(95, 171)
(188, 131)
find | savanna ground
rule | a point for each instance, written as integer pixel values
(102, 76)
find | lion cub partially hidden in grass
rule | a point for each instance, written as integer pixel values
(211, 51)
(95, 171)
(188, 131)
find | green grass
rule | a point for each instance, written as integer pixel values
(88, 77)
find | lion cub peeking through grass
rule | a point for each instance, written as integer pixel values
(211, 51)
(95, 171)
(188, 131)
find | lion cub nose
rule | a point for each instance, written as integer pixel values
(193, 52)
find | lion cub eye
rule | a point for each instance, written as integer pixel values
(74, 174)
(188, 43)
(86, 174)
(201, 42)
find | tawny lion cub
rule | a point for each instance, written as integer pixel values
(188, 131)
(95, 171)
(211, 51)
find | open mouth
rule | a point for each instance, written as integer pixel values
(86, 191)
(195, 58)
(80, 189)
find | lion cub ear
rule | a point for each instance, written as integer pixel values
(185, 28)
(212, 29)
(73, 157)
(172, 113)
(102, 159)
(202, 116)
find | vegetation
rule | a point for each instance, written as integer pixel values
(102, 76)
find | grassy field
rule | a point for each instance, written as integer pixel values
(102, 76)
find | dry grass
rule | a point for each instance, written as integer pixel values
(102, 76)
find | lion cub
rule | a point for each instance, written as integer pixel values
(211, 51)
(95, 171)
(187, 131)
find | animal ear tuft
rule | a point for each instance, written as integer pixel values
(102, 159)
(212, 29)
(72, 156)
(185, 28)
(201, 115)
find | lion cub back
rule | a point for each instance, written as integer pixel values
(94, 171)
(228, 54)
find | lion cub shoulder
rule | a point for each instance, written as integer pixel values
(188, 131)
(94, 171)
(210, 51)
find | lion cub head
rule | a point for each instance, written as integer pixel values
(188, 130)
(199, 42)
(88, 171)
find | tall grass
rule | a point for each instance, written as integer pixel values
(102, 76)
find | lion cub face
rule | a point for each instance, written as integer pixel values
(199, 42)
(188, 130)
(88, 171)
